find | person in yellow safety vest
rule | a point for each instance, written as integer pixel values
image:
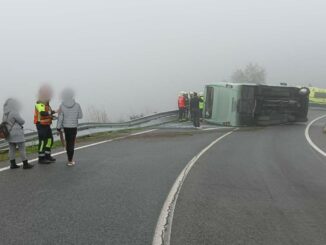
(43, 117)
(201, 105)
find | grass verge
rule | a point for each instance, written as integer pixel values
(80, 141)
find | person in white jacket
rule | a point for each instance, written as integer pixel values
(69, 114)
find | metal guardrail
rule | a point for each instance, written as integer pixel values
(317, 108)
(91, 128)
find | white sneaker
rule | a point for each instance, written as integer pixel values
(70, 164)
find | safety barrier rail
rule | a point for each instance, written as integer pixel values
(91, 128)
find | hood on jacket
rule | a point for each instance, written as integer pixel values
(11, 105)
(68, 99)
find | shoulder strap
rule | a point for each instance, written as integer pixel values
(12, 125)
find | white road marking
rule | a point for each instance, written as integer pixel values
(143, 132)
(309, 138)
(163, 228)
(86, 146)
(217, 128)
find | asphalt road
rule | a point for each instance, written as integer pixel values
(264, 186)
(256, 186)
(113, 196)
(316, 133)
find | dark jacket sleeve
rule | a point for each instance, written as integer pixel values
(44, 113)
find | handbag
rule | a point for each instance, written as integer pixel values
(4, 131)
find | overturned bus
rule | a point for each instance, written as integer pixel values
(233, 104)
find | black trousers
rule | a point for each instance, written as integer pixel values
(182, 112)
(70, 135)
(196, 117)
(45, 138)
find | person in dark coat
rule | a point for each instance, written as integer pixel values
(187, 109)
(195, 109)
(16, 139)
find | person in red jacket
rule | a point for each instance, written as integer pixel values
(182, 106)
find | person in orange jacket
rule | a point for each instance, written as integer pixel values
(43, 117)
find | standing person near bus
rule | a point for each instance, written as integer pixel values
(191, 111)
(43, 117)
(14, 124)
(187, 109)
(182, 106)
(70, 113)
(201, 105)
(195, 111)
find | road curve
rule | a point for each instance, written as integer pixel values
(113, 196)
(317, 135)
(263, 186)
(257, 186)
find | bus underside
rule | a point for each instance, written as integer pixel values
(270, 105)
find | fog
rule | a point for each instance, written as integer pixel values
(132, 57)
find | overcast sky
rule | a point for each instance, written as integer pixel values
(132, 56)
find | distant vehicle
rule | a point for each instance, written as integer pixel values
(317, 96)
(235, 104)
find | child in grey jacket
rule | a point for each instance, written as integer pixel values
(69, 114)
(11, 115)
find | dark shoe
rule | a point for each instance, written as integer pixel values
(13, 164)
(43, 160)
(50, 158)
(26, 165)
